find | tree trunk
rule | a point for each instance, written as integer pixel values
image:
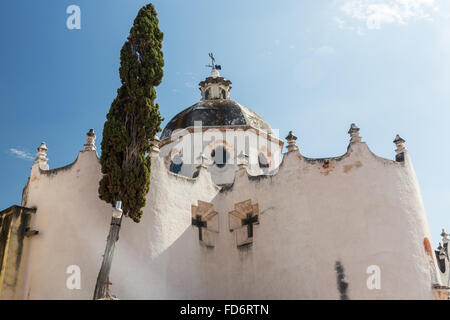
(103, 275)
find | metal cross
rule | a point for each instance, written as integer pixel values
(249, 221)
(213, 64)
(199, 223)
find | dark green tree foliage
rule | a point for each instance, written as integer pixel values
(134, 118)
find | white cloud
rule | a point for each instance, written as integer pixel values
(21, 154)
(372, 14)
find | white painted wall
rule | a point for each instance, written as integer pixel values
(362, 210)
(72, 224)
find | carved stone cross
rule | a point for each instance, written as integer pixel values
(206, 220)
(242, 220)
(249, 221)
(200, 224)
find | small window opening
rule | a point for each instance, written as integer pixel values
(263, 163)
(220, 156)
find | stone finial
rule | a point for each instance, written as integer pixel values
(242, 160)
(444, 236)
(155, 145)
(400, 150)
(215, 73)
(203, 161)
(442, 253)
(292, 142)
(90, 141)
(399, 143)
(354, 133)
(41, 156)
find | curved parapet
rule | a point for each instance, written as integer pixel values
(360, 210)
(73, 224)
(348, 227)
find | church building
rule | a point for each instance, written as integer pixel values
(229, 215)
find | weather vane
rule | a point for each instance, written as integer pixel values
(213, 64)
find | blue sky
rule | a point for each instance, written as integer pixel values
(312, 67)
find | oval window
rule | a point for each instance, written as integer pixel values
(176, 164)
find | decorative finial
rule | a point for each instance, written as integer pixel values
(242, 160)
(90, 141)
(155, 145)
(41, 156)
(442, 253)
(400, 150)
(399, 139)
(203, 160)
(444, 236)
(292, 142)
(354, 133)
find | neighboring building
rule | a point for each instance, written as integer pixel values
(229, 217)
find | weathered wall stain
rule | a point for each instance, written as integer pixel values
(348, 167)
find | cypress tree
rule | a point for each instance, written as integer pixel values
(132, 122)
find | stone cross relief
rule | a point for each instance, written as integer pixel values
(249, 221)
(242, 220)
(200, 224)
(207, 222)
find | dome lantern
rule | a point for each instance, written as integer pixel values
(215, 87)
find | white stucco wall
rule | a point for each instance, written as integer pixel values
(72, 225)
(362, 210)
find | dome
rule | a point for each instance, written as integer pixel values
(217, 112)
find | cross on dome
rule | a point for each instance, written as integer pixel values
(213, 64)
(215, 87)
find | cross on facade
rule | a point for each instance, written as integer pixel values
(249, 221)
(242, 219)
(200, 224)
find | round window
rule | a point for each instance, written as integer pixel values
(176, 164)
